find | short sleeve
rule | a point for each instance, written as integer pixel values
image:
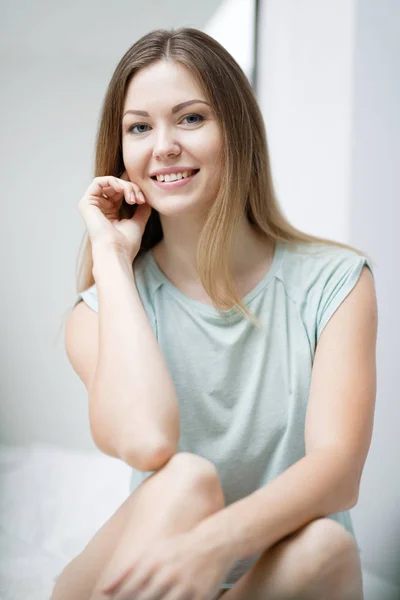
(338, 286)
(90, 298)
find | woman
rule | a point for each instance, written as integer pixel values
(228, 357)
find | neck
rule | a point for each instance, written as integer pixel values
(176, 252)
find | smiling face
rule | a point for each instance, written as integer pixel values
(171, 136)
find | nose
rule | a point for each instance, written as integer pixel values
(165, 146)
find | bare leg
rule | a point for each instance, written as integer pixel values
(318, 562)
(173, 500)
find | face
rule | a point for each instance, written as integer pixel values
(171, 136)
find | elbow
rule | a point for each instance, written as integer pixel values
(149, 456)
(148, 451)
(349, 499)
(354, 487)
(142, 457)
(353, 500)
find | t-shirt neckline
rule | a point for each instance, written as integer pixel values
(211, 310)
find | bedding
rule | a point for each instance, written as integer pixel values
(52, 502)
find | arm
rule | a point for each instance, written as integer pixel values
(338, 433)
(133, 406)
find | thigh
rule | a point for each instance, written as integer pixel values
(306, 564)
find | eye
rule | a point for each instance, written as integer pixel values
(194, 115)
(132, 127)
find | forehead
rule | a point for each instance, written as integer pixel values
(163, 82)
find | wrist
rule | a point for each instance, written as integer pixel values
(212, 535)
(110, 257)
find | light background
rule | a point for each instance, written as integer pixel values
(329, 90)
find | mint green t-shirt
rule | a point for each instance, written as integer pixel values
(243, 391)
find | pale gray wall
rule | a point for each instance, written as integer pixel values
(374, 224)
(330, 95)
(56, 61)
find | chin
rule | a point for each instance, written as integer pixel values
(177, 206)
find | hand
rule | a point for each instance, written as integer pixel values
(100, 214)
(179, 568)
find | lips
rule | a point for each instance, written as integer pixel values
(171, 186)
(192, 172)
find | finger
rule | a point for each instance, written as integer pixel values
(132, 585)
(100, 184)
(125, 188)
(109, 192)
(114, 187)
(117, 583)
(133, 189)
(139, 193)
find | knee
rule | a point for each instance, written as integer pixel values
(327, 544)
(193, 465)
(199, 474)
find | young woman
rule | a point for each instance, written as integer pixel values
(229, 358)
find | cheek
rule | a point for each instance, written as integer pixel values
(133, 161)
(128, 151)
(214, 151)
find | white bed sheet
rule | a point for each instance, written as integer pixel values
(52, 502)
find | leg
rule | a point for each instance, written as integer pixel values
(158, 507)
(318, 562)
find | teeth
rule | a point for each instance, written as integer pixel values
(174, 176)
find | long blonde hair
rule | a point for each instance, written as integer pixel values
(246, 186)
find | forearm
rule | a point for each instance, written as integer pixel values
(133, 403)
(313, 487)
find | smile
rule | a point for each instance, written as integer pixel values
(176, 183)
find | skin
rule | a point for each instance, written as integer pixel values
(164, 139)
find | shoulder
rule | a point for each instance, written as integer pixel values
(309, 268)
(318, 277)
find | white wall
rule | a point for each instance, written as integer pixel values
(232, 25)
(305, 80)
(330, 93)
(56, 62)
(374, 216)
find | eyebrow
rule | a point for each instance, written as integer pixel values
(175, 109)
